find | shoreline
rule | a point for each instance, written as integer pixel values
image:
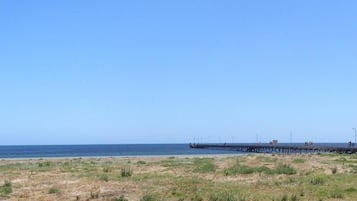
(220, 155)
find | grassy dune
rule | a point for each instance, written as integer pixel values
(220, 178)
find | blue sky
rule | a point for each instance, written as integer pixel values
(97, 72)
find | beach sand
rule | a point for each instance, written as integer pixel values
(209, 177)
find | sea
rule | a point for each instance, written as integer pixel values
(107, 150)
(114, 150)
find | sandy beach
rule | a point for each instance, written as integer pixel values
(209, 177)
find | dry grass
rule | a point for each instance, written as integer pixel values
(316, 177)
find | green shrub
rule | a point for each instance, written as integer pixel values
(293, 198)
(6, 188)
(44, 164)
(285, 169)
(264, 169)
(284, 198)
(317, 180)
(241, 169)
(246, 170)
(299, 160)
(213, 198)
(204, 165)
(104, 177)
(336, 194)
(141, 162)
(197, 198)
(342, 160)
(149, 197)
(350, 190)
(53, 190)
(334, 170)
(94, 195)
(228, 172)
(238, 169)
(302, 193)
(222, 197)
(126, 172)
(121, 198)
(106, 169)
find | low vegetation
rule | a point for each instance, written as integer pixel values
(237, 168)
(223, 196)
(104, 177)
(121, 198)
(149, 197)
(126, 171)
(204, 165)
(53, 190)
(318, 180)
(258, 177)
(6, 188)
(299, 160)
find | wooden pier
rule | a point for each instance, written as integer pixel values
(274, 148)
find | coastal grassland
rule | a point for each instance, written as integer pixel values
(257, 177)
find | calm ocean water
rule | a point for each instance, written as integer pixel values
(44, 151)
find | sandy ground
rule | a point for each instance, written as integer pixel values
(100, 178)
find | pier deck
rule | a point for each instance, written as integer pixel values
(274, 148)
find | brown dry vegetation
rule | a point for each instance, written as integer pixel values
(248, 177)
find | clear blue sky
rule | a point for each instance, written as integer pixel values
(84, 72)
